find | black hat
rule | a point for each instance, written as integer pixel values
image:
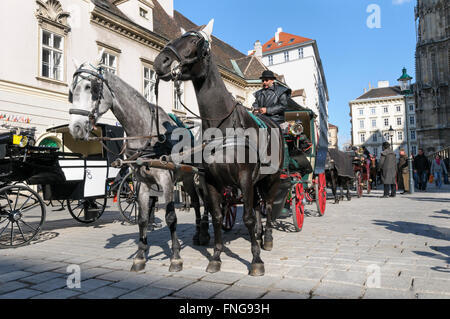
(386, 145)
(267, 74)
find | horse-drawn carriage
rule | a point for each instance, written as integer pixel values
(33, 177)
(362, 169)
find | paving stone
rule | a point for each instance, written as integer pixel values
(14, 275)
(237, 292)
(201, 290)
(11, 286)
(424, 295)
(430, 285)
(338, 290)
(41, 277)
(278, 294)
(296, 285)
(91, 284)
(257, 281)
(58, 294)
(135, 282)
(223, 277)
(349, 277)
(46, 267)
(107, 292)
(50, 285)
(21, 294)
(307, 273)
(149, 293)
(117, 275)
(383, 293)
(173, 283)
(94, 272)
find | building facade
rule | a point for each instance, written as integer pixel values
(333, 131)
(433, 74)
(383, 114)
(44, 36)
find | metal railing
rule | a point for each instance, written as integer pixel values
(443, 153)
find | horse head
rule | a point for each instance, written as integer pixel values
(90, 97)
(186, 57)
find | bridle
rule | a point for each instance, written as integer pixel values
(97, 81)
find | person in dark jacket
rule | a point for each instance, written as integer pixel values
(421, 167)
(388, 169)
(272, 99)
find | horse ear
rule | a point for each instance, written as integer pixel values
(76, 64)
(208, 29)
(182, 30)
(99, 58)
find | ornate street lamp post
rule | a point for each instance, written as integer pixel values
(405, 87)
(391, 135)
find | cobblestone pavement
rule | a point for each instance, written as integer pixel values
(366, 248)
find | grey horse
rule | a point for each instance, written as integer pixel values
(92, 94)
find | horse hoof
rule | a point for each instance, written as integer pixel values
(213, 266)
(268, 245)
(176, 265)
(138, 265)
(257, 270)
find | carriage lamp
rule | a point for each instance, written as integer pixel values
(23, 141)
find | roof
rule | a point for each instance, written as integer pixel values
(169, 28)
(286, 40)
(381, 92)
(331, 125)
(251, 67)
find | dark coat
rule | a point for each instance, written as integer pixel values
(275, 99)
(421, 163)
(388, 166)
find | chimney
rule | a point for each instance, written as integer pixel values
(258, 49)
(383, 84)
(277, 35)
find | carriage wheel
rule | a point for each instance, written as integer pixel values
(22, 213)
(128, 198)
(230, 218)
(297, 207)
(87, 210)
(359, 188)
(321, 193)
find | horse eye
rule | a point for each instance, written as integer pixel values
(88, 87)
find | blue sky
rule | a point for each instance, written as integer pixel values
(352, 53)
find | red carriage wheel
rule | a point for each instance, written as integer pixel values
(359, 189)
(230, 218)
(298, 207)
(321, 193)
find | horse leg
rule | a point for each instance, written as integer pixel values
(143, 220)
(214, 200)
(258, 227)
(334, 186)
(201, 236)
(347, 185)
(268, 238)
(257, 266)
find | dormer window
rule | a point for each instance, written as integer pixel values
(291, 40)
(143, 13)
(280, 43)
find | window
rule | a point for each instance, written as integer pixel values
(411, 107)
(400, 136)
(52, 56)
(361, 111)
(386, 122)
(413, 150)
(362, 137)
(149, 84)
(412, 120)
(413, 135)
(361, 124)
(399, 121)
(398, 108)
(143, 13)
(375, 137)
(300, 53)
(374, 123)
(372, 111)
(270, 57)
(286, 56)
(385, 109)
(387, 137)
(109, 62)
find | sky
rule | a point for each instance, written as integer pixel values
(359, 41)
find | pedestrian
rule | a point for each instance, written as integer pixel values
(421, 168)
(403, 172)
(388, 169)
(438, 169)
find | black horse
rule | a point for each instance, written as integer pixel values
(338, 172)
(189, 58)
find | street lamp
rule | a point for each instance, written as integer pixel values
(405, 87)
(391, 135)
